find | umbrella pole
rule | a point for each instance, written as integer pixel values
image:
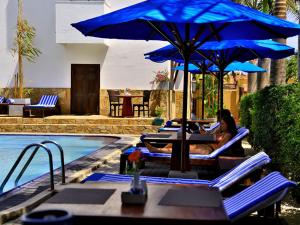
(203, 93)
(221, 90)
(186, 55)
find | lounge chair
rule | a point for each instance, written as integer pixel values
(46, 103)
(175, 129)
(2, 99)
(222, 182)
(266, 192)
(242, 132)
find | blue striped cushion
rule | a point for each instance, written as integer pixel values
(258, 195)
(1, 99)
(48, 100)
(222, 182)
(169, 129)
(242, 170)
(101, 177)
(213, 126)
(242, 132)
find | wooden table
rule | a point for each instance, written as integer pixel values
(113, 212)
(176, 145)
(127, 110)
(200, 121)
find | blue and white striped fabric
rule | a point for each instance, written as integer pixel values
(242, 132)
(222, 182)
(102, 177)
(263, 193)
(1, 99)
(47, 101)
(213, 126)
(242, 170)
(172, 129)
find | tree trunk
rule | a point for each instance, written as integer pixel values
(278, 72)
(19, 42)
(263, 78)
(252, 82)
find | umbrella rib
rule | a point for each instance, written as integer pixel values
(210, 35)
(211, 26)
(197, 36)
(163, 34)
(174, 30)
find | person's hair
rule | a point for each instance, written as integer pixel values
(222, 113)
(230, 124)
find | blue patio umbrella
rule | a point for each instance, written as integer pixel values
(223, 53)
(234, 66)
(187, 24)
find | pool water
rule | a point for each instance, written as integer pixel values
(74, 147)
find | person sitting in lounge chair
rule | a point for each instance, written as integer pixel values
(227, 131)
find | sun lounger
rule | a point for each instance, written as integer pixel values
(222, 182)
(242, 133)
(47, 102)
(267, 191)
(175, 129)
(2, 99)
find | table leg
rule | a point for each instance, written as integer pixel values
(127, 110)
(176, 158)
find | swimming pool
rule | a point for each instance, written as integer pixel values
(74, 147)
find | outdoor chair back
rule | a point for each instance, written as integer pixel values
(222, 182)
(146, 97)
(267, 191)
(48, 100)
(112, 94)
(2, 99)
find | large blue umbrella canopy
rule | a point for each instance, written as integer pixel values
(187, 24)
(225, 52)
(234, 66)
(208, 19)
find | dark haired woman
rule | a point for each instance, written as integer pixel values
(228, 131)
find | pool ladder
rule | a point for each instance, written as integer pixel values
(37, 148)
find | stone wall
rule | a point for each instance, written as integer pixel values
(158, 98)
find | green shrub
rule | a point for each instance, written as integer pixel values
(276, 126)
(246, 109)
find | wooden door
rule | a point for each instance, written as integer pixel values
(85, 85)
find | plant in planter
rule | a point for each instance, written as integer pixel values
(161, 79)
(24, 47)
(158, 121)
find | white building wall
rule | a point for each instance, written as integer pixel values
(122, 62)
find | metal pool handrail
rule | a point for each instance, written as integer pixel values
(61, 151)
(20, 158)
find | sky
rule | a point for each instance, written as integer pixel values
(293, 41)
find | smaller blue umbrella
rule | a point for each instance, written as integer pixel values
(235, 66)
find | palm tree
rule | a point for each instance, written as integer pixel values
(278, 72)
(257, 81)
(24, 47)
(277, 8)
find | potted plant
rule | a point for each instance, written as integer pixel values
(161, 79)
(24, 47)
(158, 121)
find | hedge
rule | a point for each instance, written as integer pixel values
(274, 119)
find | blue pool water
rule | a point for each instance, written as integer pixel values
(74, 147)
